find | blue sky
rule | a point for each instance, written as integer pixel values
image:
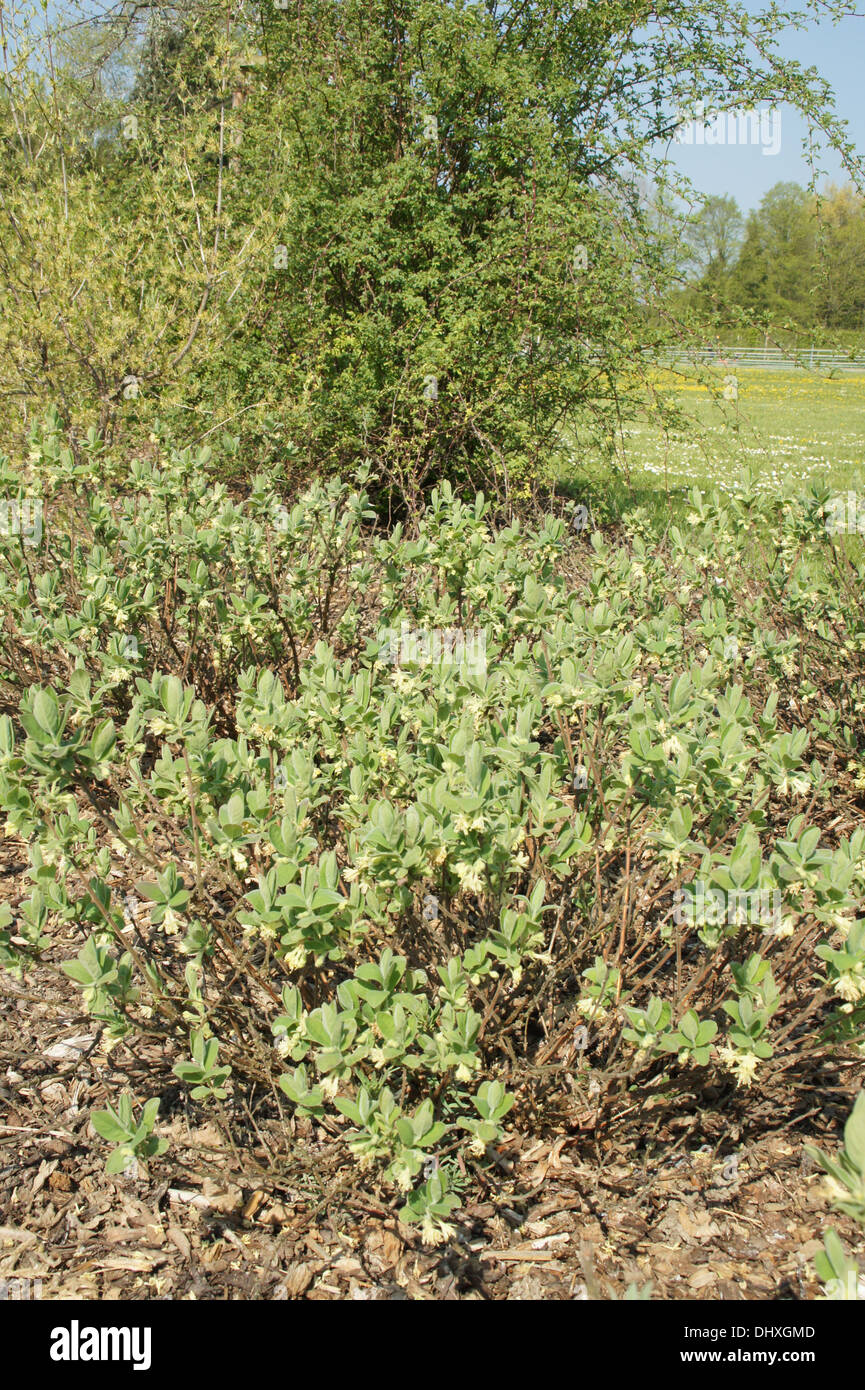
(744, 171)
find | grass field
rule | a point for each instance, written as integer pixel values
(786, 428)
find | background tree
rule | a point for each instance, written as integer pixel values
(776, 271)
(841, 283)
(713, 240)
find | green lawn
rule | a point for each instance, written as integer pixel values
(787, 427)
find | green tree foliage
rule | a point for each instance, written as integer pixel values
(389, 229)
(775, 273)
(714, 238)
(841, 288)
(801, 259)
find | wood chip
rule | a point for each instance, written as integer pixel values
(534, 1256)
(179, 1241)
(253, 1204)
(297, 1279)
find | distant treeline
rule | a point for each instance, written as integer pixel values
(798, 257)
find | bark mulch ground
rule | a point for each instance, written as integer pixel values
(705, 1210)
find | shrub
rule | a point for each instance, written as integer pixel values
(368, 876)
(841, 1276)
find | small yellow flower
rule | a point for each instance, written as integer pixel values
(435, 1232)
(786, 928)
(851, 985)
(743, 1065)
(470, 876)
(171, 923)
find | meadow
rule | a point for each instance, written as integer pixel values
(785, 430)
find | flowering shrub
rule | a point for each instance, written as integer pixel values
(842, 1278)
(379, 890)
